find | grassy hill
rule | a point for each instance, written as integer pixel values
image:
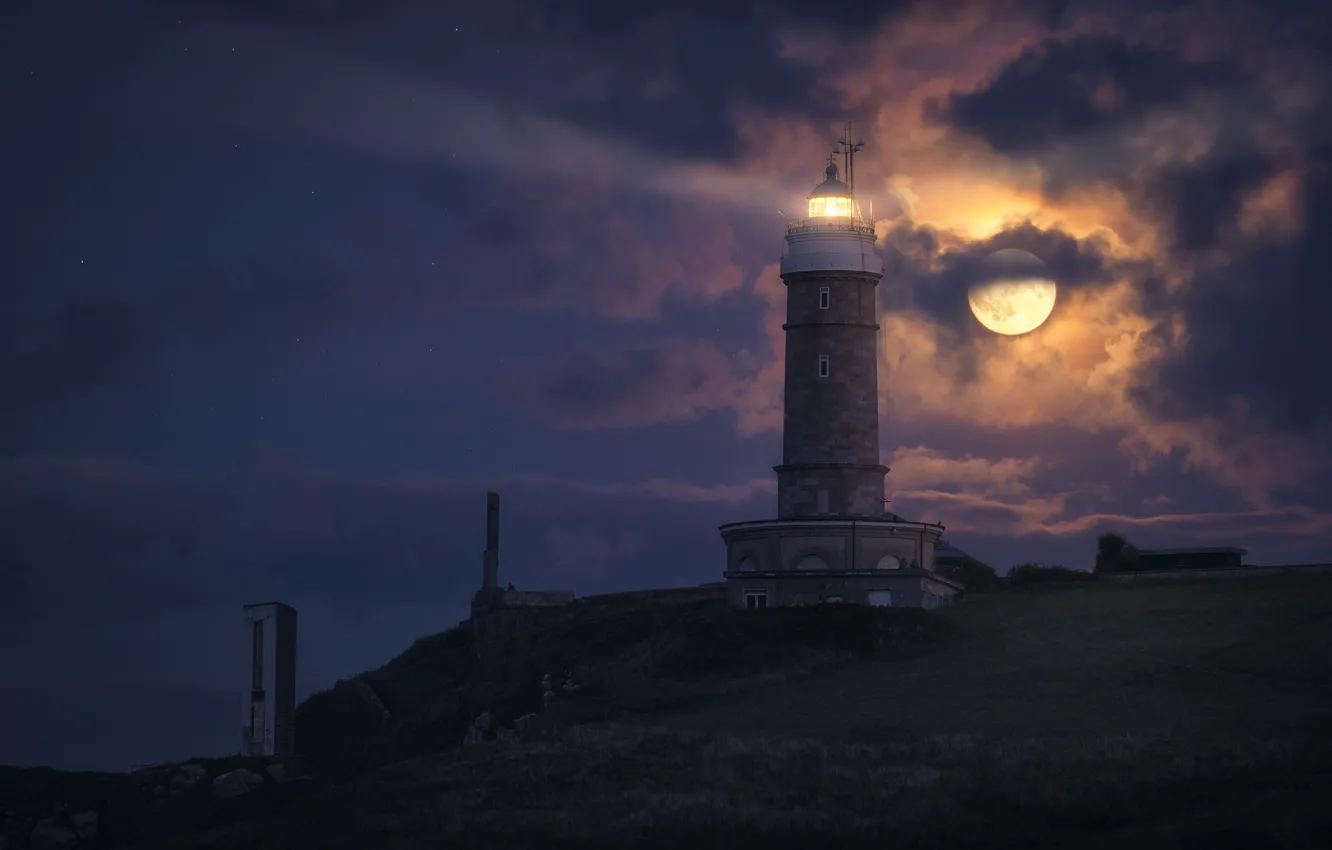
(629, 654)
(1188, 714)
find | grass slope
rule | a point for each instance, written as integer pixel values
(1108, 716)
(1218, 658)
(629, 655)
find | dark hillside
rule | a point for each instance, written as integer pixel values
(628, 655)
(1068, 715)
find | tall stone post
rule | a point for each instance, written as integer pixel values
(490, 574)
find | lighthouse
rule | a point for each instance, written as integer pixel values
(833, 539)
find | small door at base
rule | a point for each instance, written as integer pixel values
(881, 598)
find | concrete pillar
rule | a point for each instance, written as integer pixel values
(490, 560)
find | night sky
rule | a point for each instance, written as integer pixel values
(289, 284)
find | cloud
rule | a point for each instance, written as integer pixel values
(653, 489)
(666, 74)
(584, 249)
(975, 495)
(645, 112)
(581, 553)
(84, 534)
(1250, 335)
(1183, 218)
(924, 467)
(297, 14)
(932, 270)
(112, 335)
(670, 381)
(1076, 90)
(974, 514)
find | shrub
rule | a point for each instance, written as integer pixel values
(1114, 553)
(975, 577)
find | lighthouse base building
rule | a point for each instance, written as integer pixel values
(833, 539)
(811, 560)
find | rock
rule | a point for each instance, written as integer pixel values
(547, 696)
(235, 783)
(48, 836)
(189, 776)
(502, 734)
(85, 824)
(482, 721)
(278, 771)
(521, 723)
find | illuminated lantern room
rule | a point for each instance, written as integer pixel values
(831, 198)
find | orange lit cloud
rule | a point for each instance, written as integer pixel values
(1083, 367)
(982, 496)
(970, 513)
(924, 467)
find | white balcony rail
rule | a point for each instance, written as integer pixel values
(831, 224)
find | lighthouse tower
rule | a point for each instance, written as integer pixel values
(833, 539)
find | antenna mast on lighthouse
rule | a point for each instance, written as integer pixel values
(849, 149)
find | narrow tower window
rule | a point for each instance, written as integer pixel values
(824, 297)
(257, 664)
(823, 365)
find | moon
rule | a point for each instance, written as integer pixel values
(1015, 294)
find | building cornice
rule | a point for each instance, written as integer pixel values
(824, 523)
(903, 573)
(864, 467)
(792, 325)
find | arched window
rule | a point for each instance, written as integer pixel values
(889, 562)
(812, 562)
(748, 565)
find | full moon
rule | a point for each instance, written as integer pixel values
(1015, 294)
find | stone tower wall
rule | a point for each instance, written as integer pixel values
(830, 439)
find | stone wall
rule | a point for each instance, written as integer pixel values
(536, 598)
(830, 489)
(909, 589)
(831, 422)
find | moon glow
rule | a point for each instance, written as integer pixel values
(1015, 296)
